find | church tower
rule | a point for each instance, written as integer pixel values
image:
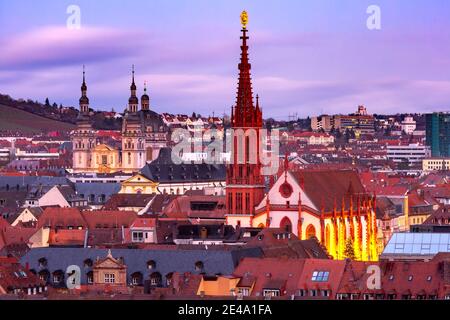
(145, 99)
(83, 138)
(245, 183)
(133, 135)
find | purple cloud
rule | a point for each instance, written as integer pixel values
(60, 46)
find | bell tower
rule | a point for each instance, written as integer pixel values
(133, 134)
(83, 137)
(245, 183)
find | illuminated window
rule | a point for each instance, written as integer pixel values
(320, 276)
(110, 278)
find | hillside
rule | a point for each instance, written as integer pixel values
(18, 120)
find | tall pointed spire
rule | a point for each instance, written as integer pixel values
(84, 100)
(133, 85)
(245, 114)
(145, 99)
(133, 100)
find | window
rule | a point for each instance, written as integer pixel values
(151, 264)
(57, 277)
(320, 276)
(110, 278)
(198, 266)
(391, 277)
(138, 236)
(247, 201)
(325, 293)
(245, 292)
(271, 293)
(410, 278)
(155, 279)
(342, 296)
(42, 262)
(302, 293)
(354, 296)
(313, 293)
(367, 296)
(429, 278)
(136, 279)
(87, 263)
(90, 277)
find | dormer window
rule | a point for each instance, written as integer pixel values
(151, 264)
(320, 276)
(88, 263)
(199, 266)
(42, 262)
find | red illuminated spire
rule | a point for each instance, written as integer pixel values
(245, 113)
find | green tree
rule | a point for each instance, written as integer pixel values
(349, 251)
(47, 102)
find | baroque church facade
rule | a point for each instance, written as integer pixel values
(329, 205)
(143, 134)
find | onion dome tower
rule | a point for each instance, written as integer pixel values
(145, 99)
(83, 137)
(133, 100)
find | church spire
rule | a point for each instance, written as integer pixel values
(245, 114)
(145, 99)
(84, 100)
(133, 100)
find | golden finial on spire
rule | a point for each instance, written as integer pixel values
(244, 19)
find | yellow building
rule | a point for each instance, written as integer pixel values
(218, 286)
(105, 159)
(109, 271)
(139, 184)
(436, 164)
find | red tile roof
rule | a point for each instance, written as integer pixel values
(267, 270)
(109, 218)
(61, 218)
(328, 187)
(67, 237)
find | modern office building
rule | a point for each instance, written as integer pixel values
(409, 155)
(438, 133)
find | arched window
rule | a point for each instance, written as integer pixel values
(151, 264)
(136, 279)
(44, 275)
(42, 262)
(87, 263)
(286, 224)
(169, 278)
(90, 277)
(199, 266)
(310, 232)
(156, 279)
(327, 237)
(58, 277)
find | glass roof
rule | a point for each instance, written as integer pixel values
(418, 243)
